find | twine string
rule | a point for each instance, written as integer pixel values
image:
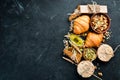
(94, 6)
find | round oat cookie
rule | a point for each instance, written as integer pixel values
(85, 68)
(105, 52)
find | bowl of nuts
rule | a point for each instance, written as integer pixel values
(100, 22)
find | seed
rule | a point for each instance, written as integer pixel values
(100, 74)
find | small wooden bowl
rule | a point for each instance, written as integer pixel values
(108, 21)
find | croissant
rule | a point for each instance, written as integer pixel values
(75, 13)
(81, 24)
(93, 39)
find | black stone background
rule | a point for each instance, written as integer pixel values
(31, 34)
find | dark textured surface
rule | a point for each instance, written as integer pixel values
(31, 34)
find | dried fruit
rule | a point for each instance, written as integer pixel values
(76, 40)
(100, 22)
